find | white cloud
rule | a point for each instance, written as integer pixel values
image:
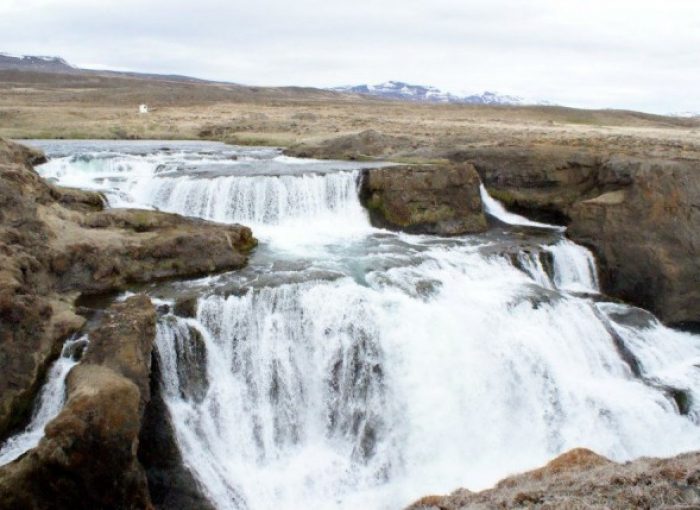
(626, 54)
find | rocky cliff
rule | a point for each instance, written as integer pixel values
(640, 215)
(582, 479)
(87, 458)
(57, 244)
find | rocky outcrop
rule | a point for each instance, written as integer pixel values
(424, 199)
(149, 246)
(57, 243)
(641, 216)
(87, 458)
(369, 144)
(647, 237)
(540, 181)
(582, 479)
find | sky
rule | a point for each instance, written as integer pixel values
(633, 54)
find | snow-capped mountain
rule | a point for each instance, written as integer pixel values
(34, 63)
(407, 92)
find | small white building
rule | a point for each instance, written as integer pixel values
(143, 108)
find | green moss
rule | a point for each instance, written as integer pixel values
(432, 215)
(140, 221)
(502, 195)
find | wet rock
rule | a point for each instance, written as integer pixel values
(186, 306)
(171, 485)
(424, 199)
(78, 199)
(149, 246)
(632, 316)
(536, 296)
(33, 321)
(87, 458)
(192, 366)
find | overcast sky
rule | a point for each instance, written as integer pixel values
(637, 54)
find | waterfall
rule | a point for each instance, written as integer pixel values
(563, 265)
(263, 201)
(574, 267)
(498, 211)
(285, 372)
(381, 367)
(347, 394)
(275, 195)
(48, 403)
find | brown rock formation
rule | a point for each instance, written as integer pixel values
(87, 458)
(641, 216)
(582, 479)
(425, 199)
(647, 237)
(541, 181)
(57, 243)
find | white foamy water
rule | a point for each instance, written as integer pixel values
(574, 267)
(364, 369)
(273, 194)
(47, 406)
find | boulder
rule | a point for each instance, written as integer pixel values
(424, 199)
(87, 458)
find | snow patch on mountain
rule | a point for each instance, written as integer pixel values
(37, 62)
(404, 91)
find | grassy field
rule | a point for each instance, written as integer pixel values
(38, 105)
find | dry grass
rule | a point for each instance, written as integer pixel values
(35, 105)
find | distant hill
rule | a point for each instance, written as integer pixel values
(686, 115)
(60, 66)
(406, 92)
(35, 63)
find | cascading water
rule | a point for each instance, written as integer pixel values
(496, 209)
(363, 369)
(48, 404)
